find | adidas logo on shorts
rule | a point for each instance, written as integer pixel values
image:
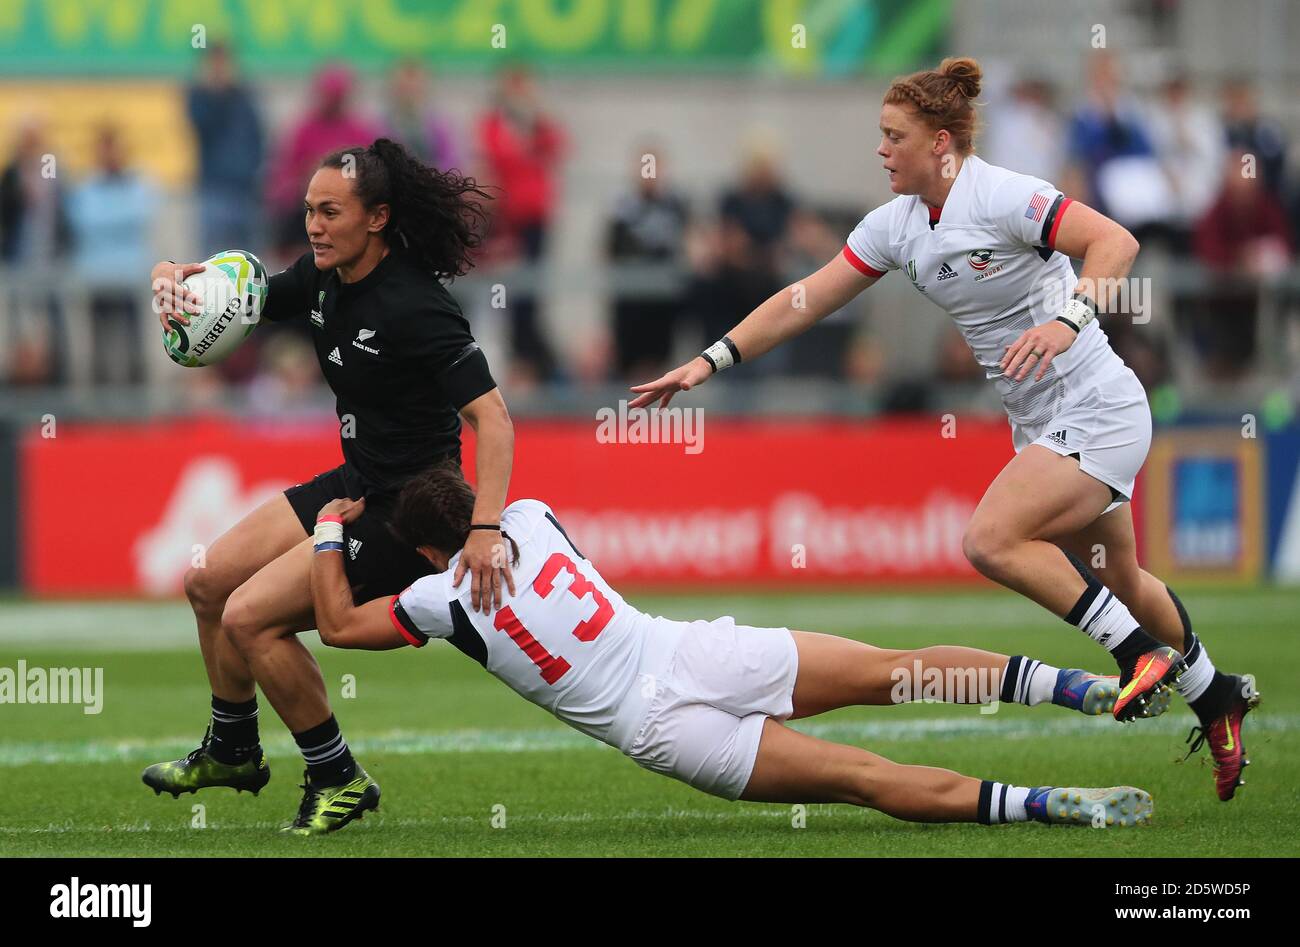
(335, 357)
(946, 272)
(1058, 437)
(354, 547)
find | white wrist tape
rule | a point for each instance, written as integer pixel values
(722, 354)
(1077, 314)
(328, 535)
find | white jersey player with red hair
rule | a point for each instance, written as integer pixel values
(701, 701)
(992, 248)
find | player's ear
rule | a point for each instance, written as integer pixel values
(379, 217)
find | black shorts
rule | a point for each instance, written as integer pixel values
(376, 561)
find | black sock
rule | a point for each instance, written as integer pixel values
(329, 761)
(234, 730)
(1184, 618)
(1131, 648)
(1222, 689)
(1218, 697)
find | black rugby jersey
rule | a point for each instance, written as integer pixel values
(397, 352)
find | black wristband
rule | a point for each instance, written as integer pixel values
(735, 352)
(485, 526)
(709, 358)
(1065, 321)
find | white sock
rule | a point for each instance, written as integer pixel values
(1200, 672)
(1005, 803)
(1032, 684)
(1108, 622)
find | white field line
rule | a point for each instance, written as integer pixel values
(407, 742)
(775, 811)
(169, 625)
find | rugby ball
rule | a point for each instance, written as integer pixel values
(233, 289)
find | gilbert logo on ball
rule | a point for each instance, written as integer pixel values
(233, 289)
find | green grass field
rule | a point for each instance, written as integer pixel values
(449, 745)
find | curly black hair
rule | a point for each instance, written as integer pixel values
(437, 217)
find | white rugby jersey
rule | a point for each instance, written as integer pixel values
(989, 262)
(565, 640)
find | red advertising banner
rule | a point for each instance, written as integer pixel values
(123, 509)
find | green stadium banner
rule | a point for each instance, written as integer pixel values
(286, 37)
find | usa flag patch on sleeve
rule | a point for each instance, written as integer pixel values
(1037, 204)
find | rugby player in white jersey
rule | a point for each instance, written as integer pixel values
(992, 248)
(701, 701)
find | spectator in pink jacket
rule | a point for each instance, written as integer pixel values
(329, 124)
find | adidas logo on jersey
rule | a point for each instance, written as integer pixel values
(354, 547)
(335, 357)
(946, 272)
(1058, 437)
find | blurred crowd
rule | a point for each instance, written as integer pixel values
(1195, 177)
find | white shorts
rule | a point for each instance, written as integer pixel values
(1108, 428)
(705, 720)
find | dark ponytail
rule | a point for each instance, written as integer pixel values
(435, 217)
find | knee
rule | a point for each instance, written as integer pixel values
(206, 592)
(985, 545)
(240, 623)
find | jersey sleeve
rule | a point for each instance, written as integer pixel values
(868, 246)
(289, 292)
(1028, 210)
(438, 337)
(423, 610)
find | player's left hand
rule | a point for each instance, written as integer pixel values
(345, 509)
(485, 559)
(1036, 348)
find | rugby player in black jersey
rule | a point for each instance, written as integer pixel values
(384, 230)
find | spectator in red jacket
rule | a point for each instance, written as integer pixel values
(522, 147)
(1244, 236)
(1245, 230)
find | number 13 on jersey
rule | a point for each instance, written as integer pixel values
(553, 667)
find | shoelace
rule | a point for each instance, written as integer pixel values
(1200, 735)
(309, 796)
(202, 747)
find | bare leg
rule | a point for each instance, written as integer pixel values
(1108, 548)
(263, 535)
(1038, 496)
(794, 767)
(838, 672)
(262, 618)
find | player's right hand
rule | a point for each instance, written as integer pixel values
(695, 372)
(171, 300)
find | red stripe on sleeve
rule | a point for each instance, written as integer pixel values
(392, 614)
(859, 265)
(1056, 224)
